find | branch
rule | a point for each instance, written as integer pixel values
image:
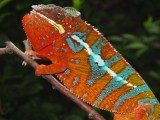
(4, 50)
(92, 114)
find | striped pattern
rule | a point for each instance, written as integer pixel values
(103, 78)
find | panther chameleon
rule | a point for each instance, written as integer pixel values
(87, 64)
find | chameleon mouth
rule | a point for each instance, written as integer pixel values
(57, 26)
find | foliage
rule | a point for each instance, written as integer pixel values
(143, 43)
(142, 50)
(77, 4)
(24, 96)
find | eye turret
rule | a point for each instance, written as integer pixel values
(72, 11)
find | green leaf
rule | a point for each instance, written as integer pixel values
(77, 3)
(21, 5)
(2, 16)
(115, 38)
(148, 23)
(140, 52)
(154, 74)
(129, 36)
(151, 26)
(136, 45)
(4, 3)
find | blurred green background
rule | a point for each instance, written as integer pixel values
(133, 28)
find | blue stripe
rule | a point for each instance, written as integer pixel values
(115, 83)
(82, 36)
(75, 46)
(130, 94)
(126, 72)
(98, 72)
(148, 100)
(112, 60)
(100, 43)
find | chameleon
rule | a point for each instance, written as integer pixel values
(87, 64)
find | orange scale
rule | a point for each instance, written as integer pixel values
(133, 102)
(135, 79)
(92, 37)
(107, 52)
(80, 87)
(111, 99)
(36, 30)
(67, 80)
(79, 69)
(81, 27)
(94, 91)
(119, 66)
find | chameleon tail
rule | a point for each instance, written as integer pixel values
(145, 112)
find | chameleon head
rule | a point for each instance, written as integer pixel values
(46, 23)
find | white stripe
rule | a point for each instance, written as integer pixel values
(99, 60)
(57, 26)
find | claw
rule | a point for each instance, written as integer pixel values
(24, 63)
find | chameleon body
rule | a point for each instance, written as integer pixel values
(87, 64)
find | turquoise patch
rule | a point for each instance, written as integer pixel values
(75, 80)
(76, 47)
(115, 83)
(126, 72)
(130, 94)
(148, 100)
(98, 72)
(112, 60)
(85, 95)
(67, 72)
(100, 43)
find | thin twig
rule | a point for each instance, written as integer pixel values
(92, 114)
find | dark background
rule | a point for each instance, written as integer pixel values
(132, 26)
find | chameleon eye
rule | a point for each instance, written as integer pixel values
(58, 15)
(72, 11)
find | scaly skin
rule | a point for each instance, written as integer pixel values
(87, 64)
